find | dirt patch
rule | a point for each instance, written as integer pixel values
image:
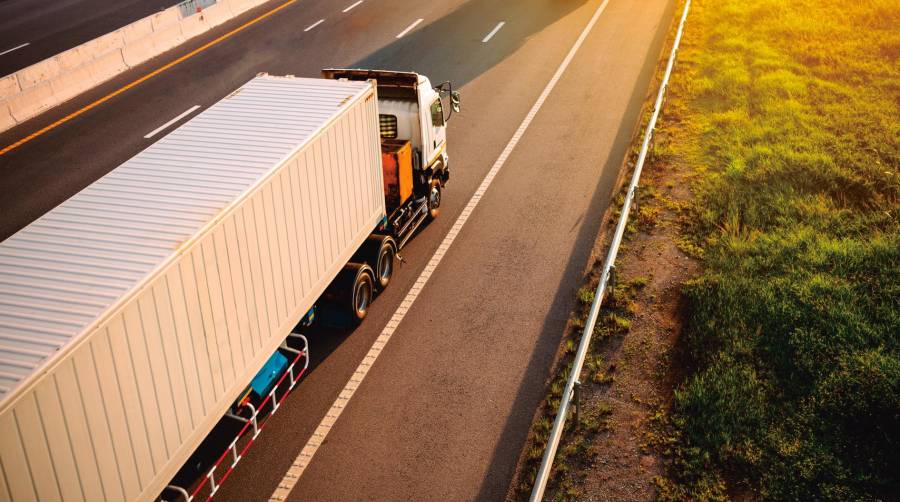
(624, 462)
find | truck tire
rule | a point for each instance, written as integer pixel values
(354, 288)
(379, 252)
(363, 292)
(384, 262)
(434, 198)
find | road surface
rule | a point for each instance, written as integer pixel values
(444, 412)
(33, 30)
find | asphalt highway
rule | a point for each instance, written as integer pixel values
(33, 30)
(445, 410)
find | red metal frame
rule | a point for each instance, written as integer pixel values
(252, 421)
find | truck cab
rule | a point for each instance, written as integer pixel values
(411, 110)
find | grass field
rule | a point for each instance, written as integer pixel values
(788, 114)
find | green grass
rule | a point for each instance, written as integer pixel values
(787, 114)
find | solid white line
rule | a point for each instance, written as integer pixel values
(7, 51)
(167, 124)
(312, 445)
(348, 9)
(409, 28)
(317, 23)
(493, 32)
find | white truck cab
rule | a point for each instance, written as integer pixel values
(409, 108)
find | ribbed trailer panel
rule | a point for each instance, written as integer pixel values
(133, 315)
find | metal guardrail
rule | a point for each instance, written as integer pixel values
(572, 382)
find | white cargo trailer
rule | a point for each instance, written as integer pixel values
(135, 313)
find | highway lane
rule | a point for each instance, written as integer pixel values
(33, 30)
(444, 412)
(451, 398)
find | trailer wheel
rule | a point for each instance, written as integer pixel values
(362, 292)
(384, 264)
(378, 251)
(352, 290)
(434, 198)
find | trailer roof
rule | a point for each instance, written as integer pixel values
(70, 267)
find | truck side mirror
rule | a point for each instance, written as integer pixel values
(454, 101)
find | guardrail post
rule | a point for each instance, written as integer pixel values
(577, 392)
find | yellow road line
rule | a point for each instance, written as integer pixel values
(148, 76)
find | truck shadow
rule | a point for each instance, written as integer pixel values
(450, 48)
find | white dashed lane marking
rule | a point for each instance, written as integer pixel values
(349, 8)
(410, 28)
(317, 23)
(493, 32)
(7, 51)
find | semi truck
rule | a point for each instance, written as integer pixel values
(159, 299)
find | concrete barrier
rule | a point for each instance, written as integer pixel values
(139, 51)
(32, 101)
(216, 14)
(249, 4)
(193, 26)
(71, 83)
(70, 60)
(137, 31)
(48, 83)
(38, 73)
(165, 18)
(206, 19)
(107, 43)
(237, 5)
(6, 119)
(106, 67)
(167, 38)
(9, 86)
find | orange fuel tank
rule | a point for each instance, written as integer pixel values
(396, 164)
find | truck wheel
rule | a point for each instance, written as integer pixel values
(379, 252)
(362, 292)
(353, 290)
(384, 264)
(434, 199)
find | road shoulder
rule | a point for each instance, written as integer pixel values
(617, 450)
